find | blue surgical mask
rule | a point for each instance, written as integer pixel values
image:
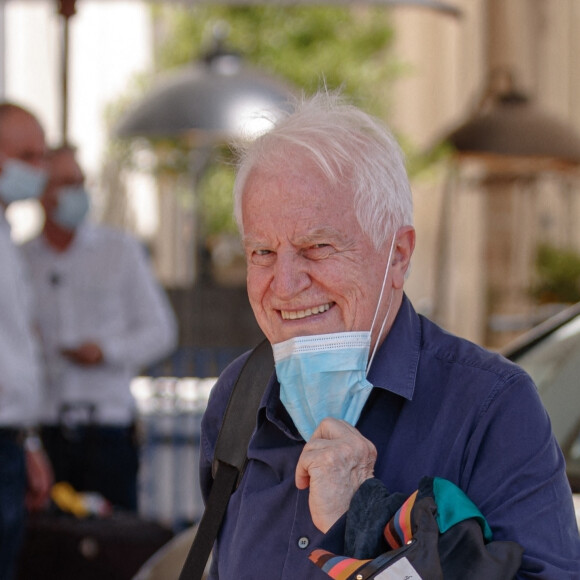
(324, 375)
(72, 207)
(20, 180)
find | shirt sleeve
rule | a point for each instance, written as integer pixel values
(514, 471)
(150, 329)
(19, 350)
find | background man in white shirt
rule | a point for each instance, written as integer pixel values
(102, 317)
(25, 474)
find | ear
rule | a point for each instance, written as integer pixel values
(404, 246)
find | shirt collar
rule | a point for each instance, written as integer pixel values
(395, 365)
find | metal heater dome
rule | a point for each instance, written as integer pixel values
(215, 99)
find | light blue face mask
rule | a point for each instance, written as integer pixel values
(20, 180)
(324, 375)
(72, 206)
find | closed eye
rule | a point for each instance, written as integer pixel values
(318, 251)
(262, 257)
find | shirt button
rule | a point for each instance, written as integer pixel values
(303, 542)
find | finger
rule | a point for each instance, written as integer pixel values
(302, 479)
(323, 453)
(331, 428)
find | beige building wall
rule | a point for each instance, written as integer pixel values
(449, 61)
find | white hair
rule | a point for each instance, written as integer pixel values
(346, 144)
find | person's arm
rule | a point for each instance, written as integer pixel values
(514, 471)
(39, 473)
(150, 331)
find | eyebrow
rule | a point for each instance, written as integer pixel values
(324, 233)
(315, 235)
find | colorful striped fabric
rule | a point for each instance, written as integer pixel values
(452, 507)
(398, 531)
(337, 567)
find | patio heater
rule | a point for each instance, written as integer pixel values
(513, 143)
(212, 101)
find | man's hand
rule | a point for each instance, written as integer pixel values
(40, 479)
(333, 464)
(87, 354)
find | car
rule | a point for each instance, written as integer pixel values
(550, 353)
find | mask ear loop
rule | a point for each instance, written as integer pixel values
(387, 269)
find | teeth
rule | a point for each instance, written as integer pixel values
(298, 314)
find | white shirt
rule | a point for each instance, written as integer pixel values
(19, 354)
(100, 289)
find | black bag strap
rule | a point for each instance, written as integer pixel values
(230, 454)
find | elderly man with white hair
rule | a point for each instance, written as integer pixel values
(366, 393)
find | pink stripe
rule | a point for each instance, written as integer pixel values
(344, 568)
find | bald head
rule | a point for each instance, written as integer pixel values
(21, 135)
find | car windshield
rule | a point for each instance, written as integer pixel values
(554, 364)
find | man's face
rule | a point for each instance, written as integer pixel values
(63, 171)
(311, 269)
(22, 138)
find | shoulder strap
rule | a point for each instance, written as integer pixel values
(230, 454)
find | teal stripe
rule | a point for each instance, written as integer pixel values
(453, 506)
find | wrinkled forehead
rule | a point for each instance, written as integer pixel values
(289, 180)
(297, 200)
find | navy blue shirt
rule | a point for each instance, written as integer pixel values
(441, 407)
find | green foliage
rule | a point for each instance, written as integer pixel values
(343, 46)
(558, 272)
(215, 195)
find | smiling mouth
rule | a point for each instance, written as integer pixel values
(299, 314)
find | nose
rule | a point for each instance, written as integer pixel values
(290, 276)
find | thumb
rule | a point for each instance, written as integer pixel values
(302, 477)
